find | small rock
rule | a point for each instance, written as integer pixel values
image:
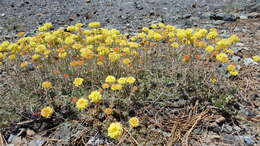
(229, 139)
(205, 15)
(98, 139)
(228, 129)
(30, 67)
(37, 142)
(249, 61)
(2, 15)
(240, 44)
(219, 22)
(186, 16)
(254, 15)
(248, 112)
(223, 16)
(220, 120)
(243, 17)
(30, 132)
(255, 8)
(249, 141)
(237, 128)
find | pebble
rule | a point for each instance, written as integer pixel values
(249, 61)
(186, 16)
(253, 15)
(205, 15)
(37, 142)
(249, 141)
(223, 16)
(228, 129)
(236, 128)
(243, 17)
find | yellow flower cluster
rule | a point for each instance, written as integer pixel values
(134, 122)
(95, 96)
(120, 82)
(46, 85)
(232, 70)
(115, 130)
(78, 81)
(45, 27)
(82, 103)
(85, 52)
(47, 112)
(256, 58)
(222, 57)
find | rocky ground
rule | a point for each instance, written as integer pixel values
(25, 15)
(229, 16)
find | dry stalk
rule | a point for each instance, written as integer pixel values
(2, 140)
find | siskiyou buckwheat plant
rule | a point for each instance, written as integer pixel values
(96, 70)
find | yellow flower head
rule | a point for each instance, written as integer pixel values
(115, 130)
(256, 58)
(180, 33)
(95, 96)
(114, 56)
(157, 37)
(105, 86)
(108, 111)
(63, 55)
(130, 80)
(100, 63)
(212, 35)
(116, 87)
(233, 73)
(175, 45)
(78, 81)
(94, 24)
(134, 122)
(126, 50)
(48, 25)
(145, 29)
(126, 61)
(79, 25)
(35, 57)
(72, 28)
(230, 51)
(69, 40)
(110, 79)
(24, 64)
(82, 103)
(12, 57)
(222, 57)
(209, 49)
(213, 80)
(40, 49)
(234, 38)
(2, 56)
(122, 81)
(47, 112)
(231, 67)
(154, 26)
(46, 85)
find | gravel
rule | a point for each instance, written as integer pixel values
(26, 15)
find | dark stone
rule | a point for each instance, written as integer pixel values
(186, 16)
(223, 16)
(31, 67)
